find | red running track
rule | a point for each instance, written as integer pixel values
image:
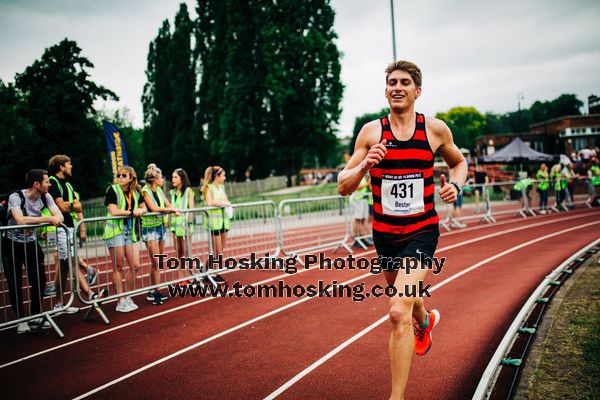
(224, 354)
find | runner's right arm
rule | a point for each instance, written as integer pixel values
(364, 158)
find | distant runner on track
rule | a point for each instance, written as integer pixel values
(398, 152)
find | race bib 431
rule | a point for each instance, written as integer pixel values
(402, 194)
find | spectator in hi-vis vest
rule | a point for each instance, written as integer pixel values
(124, 200)
(181, 226)
(213, 194)
(153, 227)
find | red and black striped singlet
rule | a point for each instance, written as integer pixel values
(403, 189)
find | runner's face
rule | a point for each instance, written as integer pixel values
(401, 91)
(159, 180)
(220, 179)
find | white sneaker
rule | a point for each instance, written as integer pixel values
(69, 310)
(123, 306)
(131, 304)
(34, 323)
(23, 327)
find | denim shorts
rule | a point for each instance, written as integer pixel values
(155, 233)
(124, 239)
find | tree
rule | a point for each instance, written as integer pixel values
(303, 80)
(157, 100)
(16, 141)
(360, 121)
(58, 103)
(466, 123)
(565, 104)
(187, 140)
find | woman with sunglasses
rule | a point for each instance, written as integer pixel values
(124, 200)
(153, 227)
(182, 198)
(213, 193)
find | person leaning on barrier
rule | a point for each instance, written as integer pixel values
(124, 200)
(594, 175)
(20, 246)
(213, 194)
(153, 227)
(542, 177)
(181, 226)
(523, 190)
(481, 180)
(62, 192)
(559, 184)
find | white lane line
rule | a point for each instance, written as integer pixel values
(181, 307)
(288, 306)
(207, 340)
(360, 334)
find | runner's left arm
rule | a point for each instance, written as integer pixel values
(453, 157)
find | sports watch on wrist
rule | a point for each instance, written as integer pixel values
(458, 188)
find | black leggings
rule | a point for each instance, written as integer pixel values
(14, 256)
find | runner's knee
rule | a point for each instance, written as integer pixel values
(401, 311)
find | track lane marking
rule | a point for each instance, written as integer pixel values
(368, 329)
(183, 306)
(303, 300)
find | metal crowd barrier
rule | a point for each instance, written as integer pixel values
(183, 260)
(18, 272)
(301, 229)
(499, 199)
(253, 229)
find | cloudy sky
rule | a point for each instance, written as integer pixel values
(471, 53)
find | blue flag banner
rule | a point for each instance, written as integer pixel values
(117, 154)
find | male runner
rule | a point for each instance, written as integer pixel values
(398, 152)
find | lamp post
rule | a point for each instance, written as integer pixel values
(393, 30)
(519, 98)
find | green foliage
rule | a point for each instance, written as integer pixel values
(16, 140)
(360, 121)
(466, 123)
(565, 104)
(270, 86)
(57, 102)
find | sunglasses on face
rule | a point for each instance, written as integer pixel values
(122, 176)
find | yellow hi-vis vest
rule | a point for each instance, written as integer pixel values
(154, 220)
(114, 227)
(71, 194)
(217, 219)
(178, 224)
(595, 175)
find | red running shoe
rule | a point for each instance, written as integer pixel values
(423, 336)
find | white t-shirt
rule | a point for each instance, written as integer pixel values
(33, 209)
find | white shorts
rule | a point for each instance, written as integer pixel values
(360, 209)
(61, 236)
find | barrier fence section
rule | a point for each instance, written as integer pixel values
(33, 255)
(252, 229)
(301, 228)
(139, 263)
(502, 199)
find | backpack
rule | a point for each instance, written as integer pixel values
(4, 217)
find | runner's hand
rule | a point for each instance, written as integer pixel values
(374, 156)
(447, 192)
